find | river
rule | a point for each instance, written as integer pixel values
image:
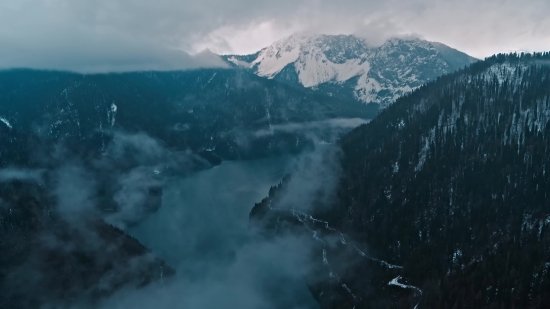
(202, 231)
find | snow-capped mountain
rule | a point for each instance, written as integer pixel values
(345, 65)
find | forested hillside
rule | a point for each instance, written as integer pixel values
(227, 113)
(451, 183)
(55, 249)
(84, 156)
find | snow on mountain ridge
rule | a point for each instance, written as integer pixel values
(314, 68)
(309, 53)
(6, 122)
(275, 57)
(347, 66)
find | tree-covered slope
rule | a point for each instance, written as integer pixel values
(209, 110)
(84, 156)
(451, 183)
(55, 249)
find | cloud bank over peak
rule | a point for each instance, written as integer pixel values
(123, 35)
(102, 36)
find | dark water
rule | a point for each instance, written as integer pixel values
(202, 231)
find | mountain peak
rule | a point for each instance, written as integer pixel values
(346, 65)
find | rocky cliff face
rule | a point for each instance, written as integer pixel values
(345, 66)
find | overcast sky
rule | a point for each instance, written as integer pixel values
(102, 35)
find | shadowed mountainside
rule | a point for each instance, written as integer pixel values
(450, 185)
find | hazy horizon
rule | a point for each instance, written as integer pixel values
(124, 35)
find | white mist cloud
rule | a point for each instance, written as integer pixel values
(242, 282)
(92, 37)
(10, 174)
(74, 190)
(337, 123)
(477, 28)
(202, 231)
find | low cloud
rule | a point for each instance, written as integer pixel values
(10, 174)
(56, 213)
(53, 37)
(138, 166)
(337, 123)
(140, 149)
(181, 127)
(124, 35)
(74, 189)
(202, 230)
(260, 275)
(90, 59)
(314, 179)
(139, 194)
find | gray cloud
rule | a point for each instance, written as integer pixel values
(123, 35)
(243, 282)
(313, 183)
(133, 198)
(141, 149)
(91, 37)
(138, 147)
(480, 29)
(201, 228)
(74, 189)
(142, 164)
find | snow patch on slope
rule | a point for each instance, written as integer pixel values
(372, 75)
(274, 58)
(312, 65)
(503, 71)
(367, 88)
(6, 122)
(314, 68)
(111, 114)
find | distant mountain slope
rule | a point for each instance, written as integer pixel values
(215, 110)
(461, 170)
(450, 184)
(78, 151)
(344, 65)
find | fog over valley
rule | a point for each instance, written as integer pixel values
(306, 154)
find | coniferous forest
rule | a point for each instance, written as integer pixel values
(452, 183)
(303, 154)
